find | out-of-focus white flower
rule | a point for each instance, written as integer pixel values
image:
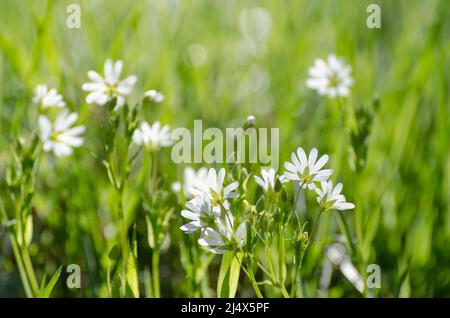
(109, 231)
(268, 180)
(152, 137)
(45, 98)
(331, 198)
(60, 137)
(196, 55)
(255, 23)
(331, 78)
(201, 213)
(223, 237)
(104, 89)
(154, 96)
(307, 170)
(336, 256)
(176, 186)
(213, 186)
(191, 178)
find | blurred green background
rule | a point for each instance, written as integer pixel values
(221, 61)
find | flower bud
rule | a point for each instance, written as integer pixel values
(277, 186)
(249, 122)
(154, 96)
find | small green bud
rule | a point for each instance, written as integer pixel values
(249, 122)
(277, 186)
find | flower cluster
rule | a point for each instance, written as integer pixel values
(307, 171)
(209, 209)
(209, 212)
(58, 135)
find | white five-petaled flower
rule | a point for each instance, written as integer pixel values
(154, 96)
(201, 213)
(192, 177)
(60, 137)
(269, 179)
(104, 89)
(45, 98)
(223, 237)
(307, 170)
(213, 186)
(331, 198)
(331, 78)
(152, 137)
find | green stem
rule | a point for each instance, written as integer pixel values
(295, 204)
(255, 286)
(269, 260)
(313, 229)
(281, 257)
(284, 292)
(123, 241)
(303, 253)
(295, 279)
(154, 176)
(155, 272)
(23, 251)
(29, 270)
(250, 274)
(347, 233)
(20, 265)
(148, 284)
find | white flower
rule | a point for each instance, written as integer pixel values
(213, 186)
(45, 98)
(307, 170)
(331, 77)
(250, 121)
(154, 96)
(176, 186)
(191, 178)
(223, 237)
(268, 180)
(331, 198)
(60, 137)
(152, 137)
(102, 90)
(201, 213)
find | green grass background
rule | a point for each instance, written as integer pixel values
(402, 219)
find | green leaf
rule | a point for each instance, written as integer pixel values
(114, 252)
(222, 285)
(371, 230)
(132, 275)
(45, 293)
(234, 274)
(229, 275)
(43, 283)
